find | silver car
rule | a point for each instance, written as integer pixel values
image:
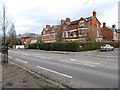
(107, 47)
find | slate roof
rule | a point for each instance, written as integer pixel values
(117, 30)
(74, 22)
(77, 21)
(88, 18)
(110, 28)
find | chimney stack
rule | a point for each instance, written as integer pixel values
(67, 20)
(62, 22)
(104, 24)
(113, 26)
(47, 26)
(94, 13)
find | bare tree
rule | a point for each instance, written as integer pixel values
(59, 34)
(12, 35)
(5, 23)
(91, 35)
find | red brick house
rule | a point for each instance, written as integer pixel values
(109, 33)
(28, 38)
(50, 33)
(82, 28)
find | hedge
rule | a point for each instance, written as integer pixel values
(71, 46)
(33, 46)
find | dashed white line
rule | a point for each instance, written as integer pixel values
(21, 61)
(54, 72)
(80, 63)
(9, 56)
(85, 62)
(26, 54)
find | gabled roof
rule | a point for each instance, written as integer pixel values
(110, 28)
(77, 21)
(74, 22)
(88, 18)
(117, 30)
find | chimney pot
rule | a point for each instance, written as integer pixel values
(94, 13)
(104, 24)
(113, 26)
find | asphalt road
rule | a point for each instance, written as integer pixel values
(92, 69)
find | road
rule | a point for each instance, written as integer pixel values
(92, 69)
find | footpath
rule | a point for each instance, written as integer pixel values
(14, 76)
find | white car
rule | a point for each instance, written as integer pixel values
(107, 47)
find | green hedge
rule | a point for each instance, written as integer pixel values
(71, 46)
(66, 46)
(33, 46)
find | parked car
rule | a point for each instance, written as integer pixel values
(106, 47)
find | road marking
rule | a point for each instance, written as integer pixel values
(9, 56)
(85, 61)
(54, 72)
(80, 63)
(73, 60)
(26, 54)
(21, 61)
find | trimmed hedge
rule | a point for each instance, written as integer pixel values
(74, 46)
(33, 46)
(66, 46)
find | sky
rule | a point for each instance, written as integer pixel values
(31, 16)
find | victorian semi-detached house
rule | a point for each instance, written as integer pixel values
(81, 29)
(51, 33)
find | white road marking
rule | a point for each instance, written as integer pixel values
(54, 72)
(21, 61)
(80, 63)
(85, 61)
(26, 54)
(9, 56)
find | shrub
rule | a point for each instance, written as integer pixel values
(33, 46)
(71, 46)
(66, 46)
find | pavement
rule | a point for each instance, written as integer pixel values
(13, 76)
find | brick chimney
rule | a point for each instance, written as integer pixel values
(104, 24)
(62, 22)
(94, 13)
(44, 29)
(67, 20)
(47, 26)
(114, 26)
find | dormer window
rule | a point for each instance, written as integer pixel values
(82, 23)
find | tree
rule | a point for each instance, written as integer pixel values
(5, 23)
(91, 35)
(59, 34)
(12, 35)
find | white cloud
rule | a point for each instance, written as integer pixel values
(33, 15)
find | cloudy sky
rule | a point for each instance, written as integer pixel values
(33, 15)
